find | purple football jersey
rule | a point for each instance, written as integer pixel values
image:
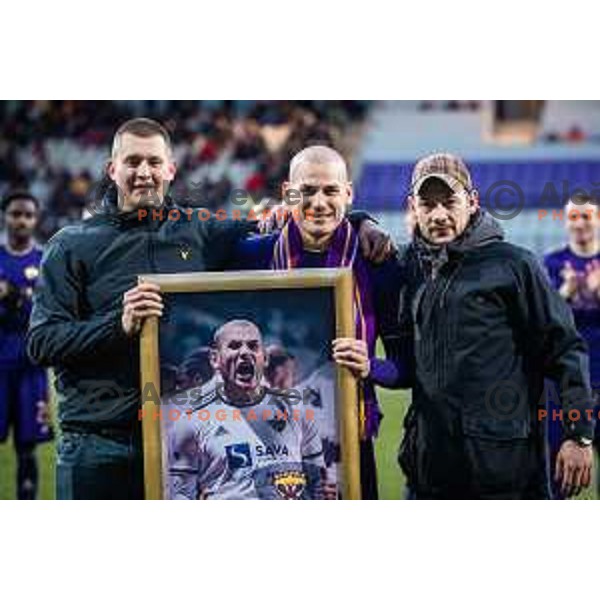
(19, 273)
(585, 306)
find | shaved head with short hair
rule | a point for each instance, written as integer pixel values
(142, 165)
(319, 176)
(144, 128)
(234, 323)
(238, 355)
(318, 155)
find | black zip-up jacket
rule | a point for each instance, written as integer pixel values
(75, 325)
(488, 329)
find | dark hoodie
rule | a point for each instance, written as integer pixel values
(488, 328)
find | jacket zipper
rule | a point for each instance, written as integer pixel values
(151, 251)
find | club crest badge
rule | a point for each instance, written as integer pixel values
(31, 272)
(185, 252)
(290, 485)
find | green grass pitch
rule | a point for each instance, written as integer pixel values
(391, 480)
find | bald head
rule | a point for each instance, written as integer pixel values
(318, 155)
(239, 357)
(232, 327)
(318, 176)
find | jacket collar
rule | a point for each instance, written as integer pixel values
(109, 208)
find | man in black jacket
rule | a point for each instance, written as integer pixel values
(488, 328)
(88, 309)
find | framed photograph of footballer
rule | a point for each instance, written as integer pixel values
(241, 398)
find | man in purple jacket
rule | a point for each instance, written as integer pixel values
(320, 235)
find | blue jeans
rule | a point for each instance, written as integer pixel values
(98, 467)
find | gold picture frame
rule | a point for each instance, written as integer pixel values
(339, 281)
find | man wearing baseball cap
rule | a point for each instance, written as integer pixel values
(487, 329)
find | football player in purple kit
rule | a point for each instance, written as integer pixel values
(575, 272)
(23, 386)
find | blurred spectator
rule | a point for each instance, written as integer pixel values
(195, 370)
(450, 105)
(281, 369)
(575, 134)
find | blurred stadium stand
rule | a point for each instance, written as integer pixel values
(564, 156)
(59, 149)
(383, 185)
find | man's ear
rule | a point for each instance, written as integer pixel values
(410, 203)
(212, 357)
(473, 202)
(110, 169)
(350, 192)
(171, 171)
(289, 194)
(411, 217)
